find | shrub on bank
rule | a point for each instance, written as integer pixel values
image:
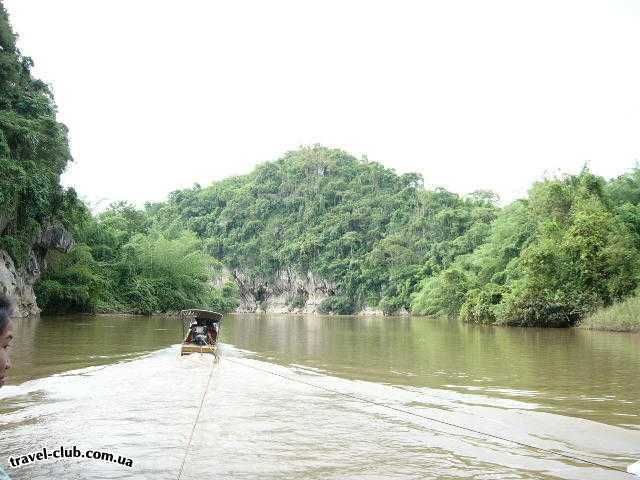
(339, 304)
(480, 306)
(122, 265)
(619, 317)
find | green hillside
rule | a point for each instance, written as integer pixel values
(373, 232)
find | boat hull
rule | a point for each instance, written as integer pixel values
(189, 348)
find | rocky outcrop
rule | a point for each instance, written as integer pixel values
(17, 281)
(376, 312)
(288, 292)
(54, 236)
(370, 312)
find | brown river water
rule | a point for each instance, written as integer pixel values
(117, 385)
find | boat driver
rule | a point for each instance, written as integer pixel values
(198, 333)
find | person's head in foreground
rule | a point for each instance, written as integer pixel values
(6, 335)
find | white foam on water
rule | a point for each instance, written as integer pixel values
(258, 425)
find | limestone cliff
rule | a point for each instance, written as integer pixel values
(288, 292)
(17, 281)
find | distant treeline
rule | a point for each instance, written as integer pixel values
(549, 259)
(565, 251)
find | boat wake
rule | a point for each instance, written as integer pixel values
(265, 420)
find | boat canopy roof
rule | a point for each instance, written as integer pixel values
(198, 315)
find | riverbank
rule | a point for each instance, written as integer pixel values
(623, 317)
(620, 317)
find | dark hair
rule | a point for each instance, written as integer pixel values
(6, 310)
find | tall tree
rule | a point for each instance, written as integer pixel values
(34, 149)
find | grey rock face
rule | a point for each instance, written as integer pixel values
(54, 236)
(288, 292)
(17, 282)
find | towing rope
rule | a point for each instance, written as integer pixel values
(378, 404)
(193, 429)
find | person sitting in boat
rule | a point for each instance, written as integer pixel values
(198, 333)
(215, 329)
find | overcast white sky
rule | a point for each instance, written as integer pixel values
(472, 94)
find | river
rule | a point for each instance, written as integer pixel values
(277, 404)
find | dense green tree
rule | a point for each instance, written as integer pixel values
(443, 294)
(123, 264)
(33, 150)
(566, 250)
(73, 282)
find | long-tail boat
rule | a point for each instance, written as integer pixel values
(203, 328)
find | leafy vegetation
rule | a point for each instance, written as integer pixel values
(568, 249)
(623, 316)
(123, 264)
(33, 151)
(371, 231)
(568, 252)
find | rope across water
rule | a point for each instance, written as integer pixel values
(379, 404)
(193, 429)
(425, 417)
